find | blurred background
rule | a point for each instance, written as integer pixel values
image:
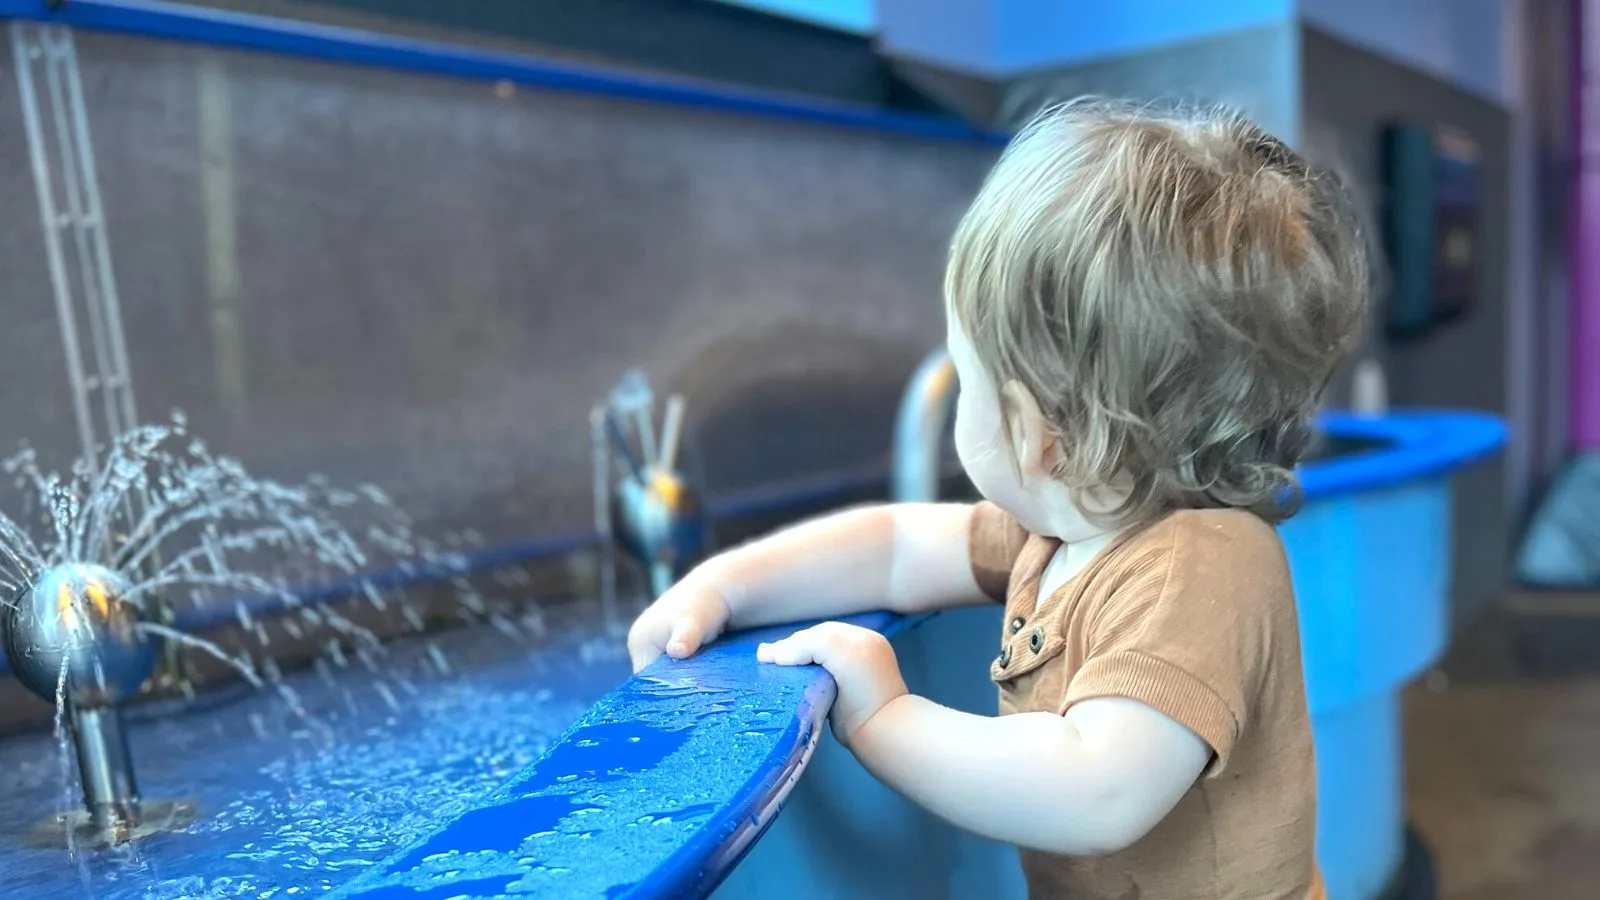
(426, 281)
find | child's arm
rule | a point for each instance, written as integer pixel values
(1089, 782)
(906, 558)
(1086, 783)
(1200, 625)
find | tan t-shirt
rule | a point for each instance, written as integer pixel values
(1195, 617)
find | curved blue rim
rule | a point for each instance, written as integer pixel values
(749, 789)
(1417, 444)
(668, 731)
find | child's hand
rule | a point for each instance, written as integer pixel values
(861, 662)
(687, 617)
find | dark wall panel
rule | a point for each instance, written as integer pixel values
(1349, 96)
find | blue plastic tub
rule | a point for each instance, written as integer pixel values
(1370, 555)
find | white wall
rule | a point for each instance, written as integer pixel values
(1460, 41)
(953, 34)
(849, 15)
(1008, 37)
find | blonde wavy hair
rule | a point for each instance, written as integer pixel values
(1174, 288)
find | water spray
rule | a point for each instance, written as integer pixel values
(86, 594)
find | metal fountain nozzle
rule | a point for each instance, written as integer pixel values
(76, 617)
(75, 633)
(652, 511)
(660, 522)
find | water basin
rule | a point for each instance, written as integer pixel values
(292, 806)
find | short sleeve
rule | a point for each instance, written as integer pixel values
(994, 542)
(1194, 636)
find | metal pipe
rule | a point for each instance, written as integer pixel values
(920, 429)
(29, 52)
(74, 638)
(621, 447)
(663, 575)
(656, 515)
(600, 450)
(671, 433)
(110, 793)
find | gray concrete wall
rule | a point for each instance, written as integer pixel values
(434, 283)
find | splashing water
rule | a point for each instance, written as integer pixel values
(181, 523)
(188, 529)
(202, 544)
(243, 667)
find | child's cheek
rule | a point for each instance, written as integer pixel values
(976, 453)
(984, 454)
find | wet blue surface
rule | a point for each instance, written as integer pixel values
(291, 809)
(662, 787)
(656, 792)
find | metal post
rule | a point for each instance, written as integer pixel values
(920, 428)
(78, 253)
(110, 793)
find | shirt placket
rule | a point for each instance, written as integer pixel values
(1026, 607)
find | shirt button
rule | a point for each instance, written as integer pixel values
(1036, 640)
(1005, 656)
(1017, 623)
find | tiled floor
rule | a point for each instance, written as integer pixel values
(1503, 756)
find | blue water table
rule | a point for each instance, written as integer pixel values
(664, 788)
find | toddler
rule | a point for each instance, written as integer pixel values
(1142, 310)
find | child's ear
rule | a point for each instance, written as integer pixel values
(1035, 442)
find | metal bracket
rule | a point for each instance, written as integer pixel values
(78, 253)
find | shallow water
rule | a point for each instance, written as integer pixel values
(293, 808)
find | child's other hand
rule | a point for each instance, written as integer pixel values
(687, 617)
(861, 662)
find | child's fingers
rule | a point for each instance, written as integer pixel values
(646, 640)
(678, 624)
(798, 649)
(830, 645)
(687, 637)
